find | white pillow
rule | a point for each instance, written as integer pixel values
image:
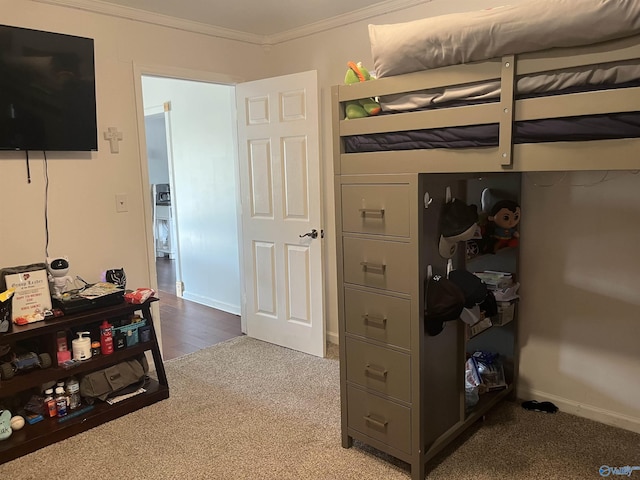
(471, 36)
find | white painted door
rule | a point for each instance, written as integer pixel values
(280, 183)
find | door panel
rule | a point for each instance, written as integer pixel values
(261, 185)
(280, 177)
(265, 286)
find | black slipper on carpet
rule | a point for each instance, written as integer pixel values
(546, 407)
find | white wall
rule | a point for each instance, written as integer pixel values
(579, 310)
(204, 196)
(157, 155)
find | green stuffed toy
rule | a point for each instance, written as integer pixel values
(359, 108)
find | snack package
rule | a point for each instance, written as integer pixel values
(139, 296)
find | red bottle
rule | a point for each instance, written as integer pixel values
(106, 338)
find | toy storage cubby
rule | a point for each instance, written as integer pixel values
(16, 391)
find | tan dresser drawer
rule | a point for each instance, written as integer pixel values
(377, 368)
(379, 264)
(377, 209)
(379, 317)
(378, 418)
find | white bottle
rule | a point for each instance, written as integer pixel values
(81, 347)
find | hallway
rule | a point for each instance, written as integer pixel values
(189, 326)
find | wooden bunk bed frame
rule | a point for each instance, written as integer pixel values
(402, 392)
(558, 156)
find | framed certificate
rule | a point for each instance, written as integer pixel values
(32, 295)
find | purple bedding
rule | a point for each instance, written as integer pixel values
(598, 127)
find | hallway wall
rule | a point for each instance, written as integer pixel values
(204, 195)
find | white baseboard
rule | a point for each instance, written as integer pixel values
(608, 417)
(210, 302)
(332, 338)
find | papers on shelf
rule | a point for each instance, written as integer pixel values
(100, 289)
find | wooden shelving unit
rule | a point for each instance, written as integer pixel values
(51, 430)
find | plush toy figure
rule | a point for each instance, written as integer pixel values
(502, 230)
(359, 108)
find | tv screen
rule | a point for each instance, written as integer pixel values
(47, 91)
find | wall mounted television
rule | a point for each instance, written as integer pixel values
(47, 91)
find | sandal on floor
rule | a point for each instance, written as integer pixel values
(546, 407)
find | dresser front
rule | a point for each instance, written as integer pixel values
(379, 284)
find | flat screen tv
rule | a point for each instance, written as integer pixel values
(47, 91)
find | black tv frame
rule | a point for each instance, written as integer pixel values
(47, 91)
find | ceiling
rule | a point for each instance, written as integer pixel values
(255, 21)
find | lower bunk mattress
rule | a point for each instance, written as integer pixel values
(569, 129)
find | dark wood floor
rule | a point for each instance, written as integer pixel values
(188, 326)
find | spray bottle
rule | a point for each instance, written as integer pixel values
(106, 338)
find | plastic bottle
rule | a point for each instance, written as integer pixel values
(81, 346)
(73, 392)
(50, 402)
(61, 402)
(106, 338)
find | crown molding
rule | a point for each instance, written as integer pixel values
(105, 8)
(382, 8)
(144, 16)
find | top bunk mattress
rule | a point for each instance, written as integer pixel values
(472, 36)
(589, 77)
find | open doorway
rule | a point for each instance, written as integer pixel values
(196, 231)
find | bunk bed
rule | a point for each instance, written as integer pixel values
(523, 111)
(402, 391)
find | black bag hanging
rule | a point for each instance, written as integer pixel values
(444, 302)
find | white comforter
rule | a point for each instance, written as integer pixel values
(472, 36)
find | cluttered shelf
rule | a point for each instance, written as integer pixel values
(50, 325)
(104, 380)
(50, 430)
(38, 377)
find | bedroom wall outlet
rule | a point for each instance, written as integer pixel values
(122, 203)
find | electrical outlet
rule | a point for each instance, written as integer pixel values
(179, 289)
(122, 203)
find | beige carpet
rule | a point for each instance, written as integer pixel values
(245, 409)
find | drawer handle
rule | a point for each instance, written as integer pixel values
(374, 267)
(378, 322)
(372, 212)
(376, 423)
(373, 371)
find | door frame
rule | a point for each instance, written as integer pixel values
(140, 70)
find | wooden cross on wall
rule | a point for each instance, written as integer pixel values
(114, 136)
